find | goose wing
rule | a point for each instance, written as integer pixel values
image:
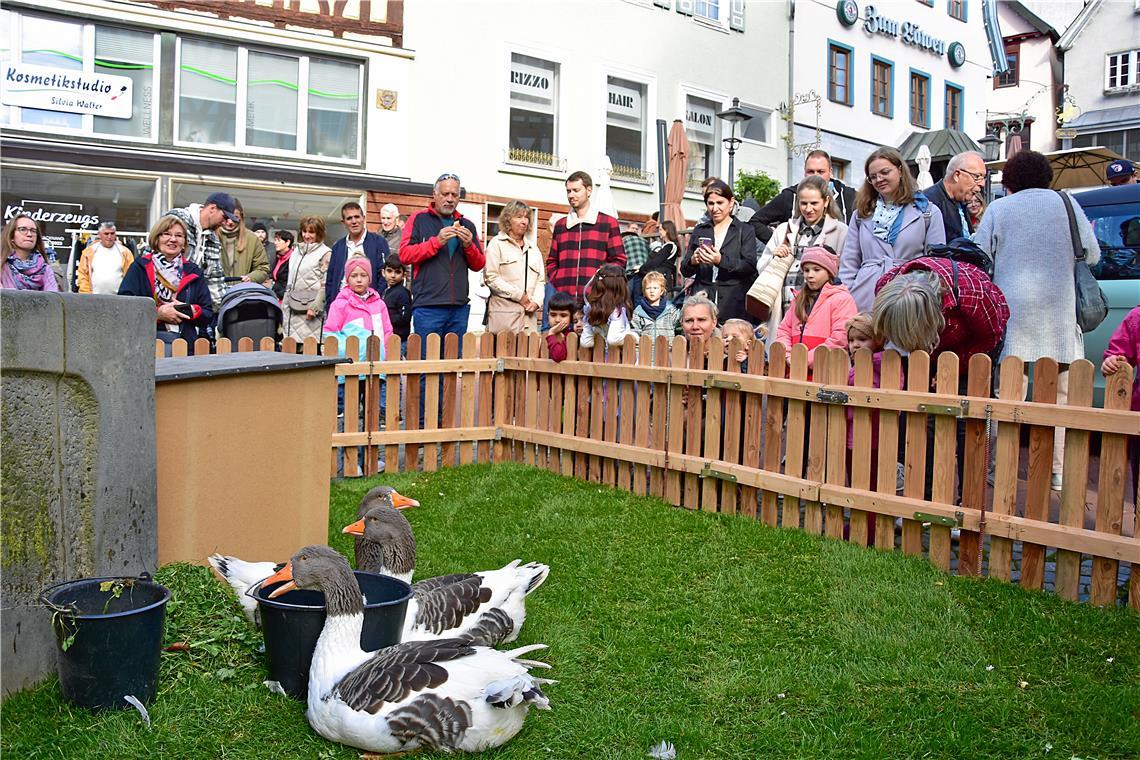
(395, 672)
(430, 584)
(445, 607)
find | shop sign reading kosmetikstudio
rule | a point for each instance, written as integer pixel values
(53, 89)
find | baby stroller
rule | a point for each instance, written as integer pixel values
(249, 310)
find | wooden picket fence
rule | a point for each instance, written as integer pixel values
(681, 421)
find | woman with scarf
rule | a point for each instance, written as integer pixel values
(815, 222)
(892, 224)
(25, 263)
(304, 299)
(182, 303)
(243, 253)
(279, 276)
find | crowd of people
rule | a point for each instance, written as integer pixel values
(884, 265)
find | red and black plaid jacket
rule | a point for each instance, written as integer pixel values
(975, 319)
(577, 253)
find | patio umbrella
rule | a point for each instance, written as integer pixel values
(1075, 167)
(678, 174)
(923, 160)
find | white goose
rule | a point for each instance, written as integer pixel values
(487, 606)
(243, 575)
(443, 694)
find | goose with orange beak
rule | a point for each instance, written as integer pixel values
(443, 694)
(488, 606)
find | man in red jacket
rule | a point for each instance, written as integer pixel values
(582, 242)
(441, 245)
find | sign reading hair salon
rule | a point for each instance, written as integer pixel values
(623, 101)
(53, 89)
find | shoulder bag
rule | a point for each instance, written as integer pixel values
(768, 285)
(1092, 306)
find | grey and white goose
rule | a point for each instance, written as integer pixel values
(487, 606)
(392, 551)
(442, 694)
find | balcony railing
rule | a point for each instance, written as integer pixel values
(535, 158)
(632, 174)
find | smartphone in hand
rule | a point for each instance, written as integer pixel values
(185, 309)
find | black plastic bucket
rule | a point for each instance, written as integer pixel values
(292, 624)
(107, 642)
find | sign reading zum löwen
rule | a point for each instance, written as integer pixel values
(55, 89)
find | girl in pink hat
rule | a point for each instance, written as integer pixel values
(820, 310)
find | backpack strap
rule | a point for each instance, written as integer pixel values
(954, 265)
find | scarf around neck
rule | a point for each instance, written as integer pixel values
(167, 277)
(651, 311)
(29, 274)
(886, 221)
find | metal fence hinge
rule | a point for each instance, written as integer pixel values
(949, 522)
(499, 367)
(498, 434)
(962, 409)
(831, 397)
(708, 472)
(712, 382)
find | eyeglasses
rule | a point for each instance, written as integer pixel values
(174, 235)
(883, 174)
(27, 230)
(445, 177)
(978, 178)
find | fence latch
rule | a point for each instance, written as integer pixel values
(499, 367)
(831, 397)
(949, 522)
(961, 409)
(708, 472)
(731, 385)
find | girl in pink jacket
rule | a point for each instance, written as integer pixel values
(820, 310)
(358, 309)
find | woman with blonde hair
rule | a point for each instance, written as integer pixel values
(893, 223)
(514, 273)
(304, 299)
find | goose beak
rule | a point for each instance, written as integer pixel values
(284, 574)
(403, 502)
(356, 529)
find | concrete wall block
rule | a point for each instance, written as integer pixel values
(77, 480)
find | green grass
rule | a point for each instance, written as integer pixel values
(725, 637)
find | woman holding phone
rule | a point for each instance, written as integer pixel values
(182, 303)
(722, 255)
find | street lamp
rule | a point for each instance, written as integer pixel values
(991, 148)
(733, 116)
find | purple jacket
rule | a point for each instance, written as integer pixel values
(1125, 341)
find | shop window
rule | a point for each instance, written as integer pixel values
(534, 99)
(703, 130)
(953, 107)
(919, 99)
(1120, 70)
(839, 73)
(207, 99)
(334, 108)
(271, 101)
(131, 54)
(625, 129)
(57, 45)
(7, 18)
(1011, 77)
(882, 87)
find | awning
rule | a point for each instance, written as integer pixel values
(942, 143)
(1106, 119)
(1076, 167)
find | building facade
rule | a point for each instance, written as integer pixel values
(1022, 107)
(874, 74)
(120, 110)
(1102, 83)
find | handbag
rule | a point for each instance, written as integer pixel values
(302, 299)
(768, 285)
(1092, 306)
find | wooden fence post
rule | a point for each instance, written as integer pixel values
(431, 403)
(731, 434)
(675, 442)
(975, 464)
(486, 396)
(448, 403)
(795, 448)
(1038, 493)
(504, 398)
(1007, 456)
(861, 448)
(694, 412)
(816, 444)
(714, 358)
(945, 459)
(773, 435)
(1110, 491)
(918, 380)
(753, 423)
(570, 403)
(886, 480)
(413, 396)
(627, 416)
(392, 403)
(1075, 480)
(467, 387)
(835, 468)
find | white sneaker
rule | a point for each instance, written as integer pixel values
(1055, 481)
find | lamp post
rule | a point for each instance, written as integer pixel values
(733, 116)
(991, 146)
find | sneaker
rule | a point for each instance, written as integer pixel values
(1055, 481)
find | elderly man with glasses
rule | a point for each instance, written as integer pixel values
(441, 246)
(965, 176)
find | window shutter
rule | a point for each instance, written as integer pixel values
(665, 3)
(685, 7)
(736, 15)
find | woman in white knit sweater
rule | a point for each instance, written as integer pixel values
(1027, 234)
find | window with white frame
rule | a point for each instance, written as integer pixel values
(703, 130)
(56, 44)
(229, 95)
(1120, 70)
(707, 9)
(534, 106)
(625, 128)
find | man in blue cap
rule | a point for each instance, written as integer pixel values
(1121, 172)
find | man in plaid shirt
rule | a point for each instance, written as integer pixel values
(582, 242)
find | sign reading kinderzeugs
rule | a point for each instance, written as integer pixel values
(65, 90)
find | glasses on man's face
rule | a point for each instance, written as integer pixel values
(978, 178)
(27, 230)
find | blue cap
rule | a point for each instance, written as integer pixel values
(225, 202)
(1122, 168)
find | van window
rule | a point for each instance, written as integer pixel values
(1117, 229)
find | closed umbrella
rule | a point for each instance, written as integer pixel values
(923, 160)
(602, 198)
(678, 175)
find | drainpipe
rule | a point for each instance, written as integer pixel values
(791, 82)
